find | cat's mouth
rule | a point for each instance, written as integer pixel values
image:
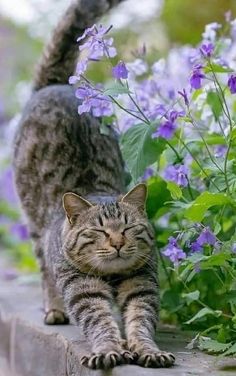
(115, 255)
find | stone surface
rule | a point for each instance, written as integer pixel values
(29, 348)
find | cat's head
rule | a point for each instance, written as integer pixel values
(110, 238)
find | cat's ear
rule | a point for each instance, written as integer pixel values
(137, 196)
(74, 205)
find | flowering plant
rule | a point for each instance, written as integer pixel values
(177, 125)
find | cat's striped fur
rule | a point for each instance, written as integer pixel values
(101, 253)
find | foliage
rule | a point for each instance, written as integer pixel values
(176, 119)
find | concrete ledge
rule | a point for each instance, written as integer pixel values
(29, 348)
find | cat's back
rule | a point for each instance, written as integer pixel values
(57, 151)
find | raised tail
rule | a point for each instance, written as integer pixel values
(60, 55)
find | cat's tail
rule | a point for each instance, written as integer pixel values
(60, 55)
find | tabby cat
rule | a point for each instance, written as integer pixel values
(95, 251)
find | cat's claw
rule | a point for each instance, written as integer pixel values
(55, 317)
(106, 361)
(156, 359)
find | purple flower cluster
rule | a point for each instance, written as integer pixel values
(196, 77)
(7, 188)
(148, 173)
(96, 46)
(232, 83)
(174, 252)
(177, 173)
(183, 94)
(20, 231)
(120, 71)
(93, 100)
(207, 49)
(167, 128)
(206, 237)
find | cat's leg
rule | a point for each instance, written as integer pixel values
(52, 301)
(138, 300)
(88, 304)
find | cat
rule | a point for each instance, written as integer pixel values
(94, 243)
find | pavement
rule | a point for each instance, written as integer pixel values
(30, 348)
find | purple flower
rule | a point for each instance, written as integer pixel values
(234, 248)
(232, 83)
(93, 100)
(102, 48)
(73, 80)
(167, 128)
(184, 95)
(20, 231)
(104, 107)
(160, 109)
(177, 174)
(173, 115)
(196, 77)
(220, 151)
(94, 31)
(196, 247)
(148, 173)
(206, 237)
(210, 31)
(173, 252)
(80, 69)
(138, 67)
(86, 94)
(207, 49)
(120, 71)
(96, 45)
(157, 110)
(7, 188)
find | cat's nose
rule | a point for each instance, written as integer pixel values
(117, 243)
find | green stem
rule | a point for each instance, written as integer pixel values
(165, 268)
(206, 145)
(223, 97)
(225, 167)
(195, 159)
(200, 302)
(128, 112)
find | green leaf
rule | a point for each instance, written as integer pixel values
(191, 296)
(197, 210)
(196, 94)
(216, 259)
(231, 350)
(203, 312)
(158, 194)
(214, 102)
(116, 89)
(216, 68)
(139, 149)
(8, 211)
(175, 190)
(212, 346)
(214, 139)
(231, 296)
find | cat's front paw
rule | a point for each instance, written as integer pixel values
(55, 317)
(154, 359)
(106, 361)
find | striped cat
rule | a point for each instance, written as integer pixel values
(95, 251)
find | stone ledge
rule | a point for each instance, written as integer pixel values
(29, 348)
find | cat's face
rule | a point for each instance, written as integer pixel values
(108, 239)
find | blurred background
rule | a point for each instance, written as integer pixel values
(25, 26)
